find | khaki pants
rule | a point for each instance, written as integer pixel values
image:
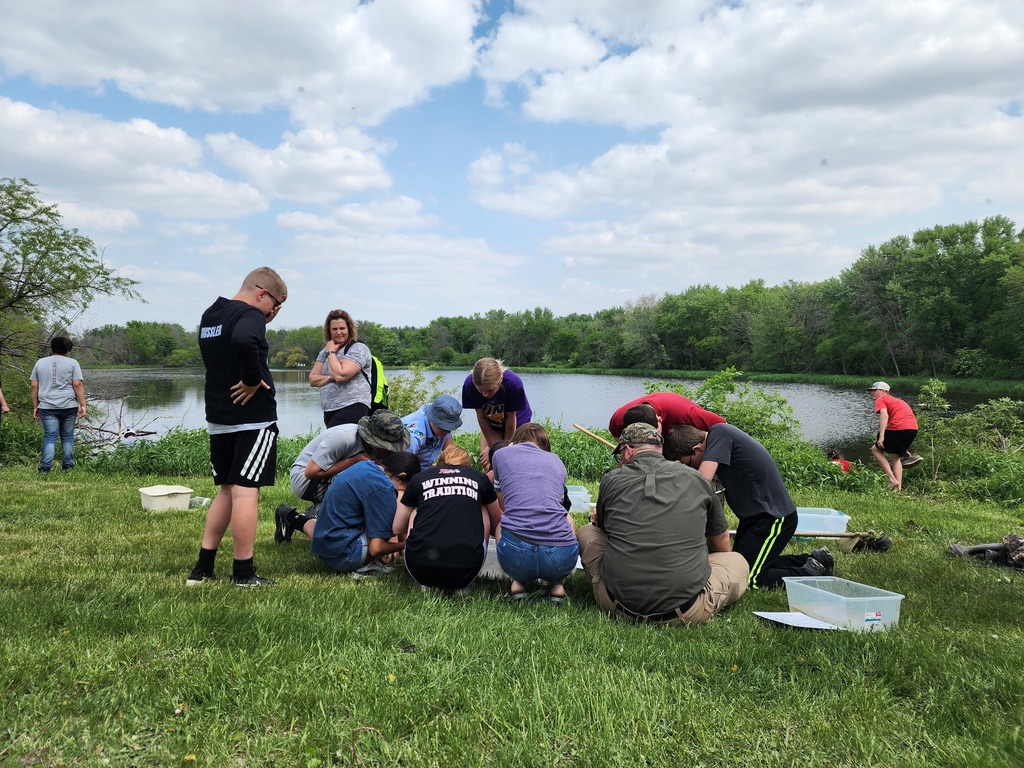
(728, 580)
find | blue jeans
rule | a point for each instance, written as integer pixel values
(525, 562)
(346, 562)
(58, 421)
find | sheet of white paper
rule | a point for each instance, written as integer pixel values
(795, 619)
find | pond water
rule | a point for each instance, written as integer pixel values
(160, 399)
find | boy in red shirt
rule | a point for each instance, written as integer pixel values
(897, 428)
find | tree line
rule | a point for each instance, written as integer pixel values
(944, 302)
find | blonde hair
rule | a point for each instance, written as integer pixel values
(267, 279)
(487, 373)
(532, 432)
(340, 314)
(456, 456)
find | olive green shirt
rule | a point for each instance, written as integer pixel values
(657, 515)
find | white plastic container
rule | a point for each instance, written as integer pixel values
(821, 520)
(844, 603)
(580, 498)
(165, 498)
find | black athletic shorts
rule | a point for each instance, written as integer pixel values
(248, 458)
(442, 577)
(897, 441)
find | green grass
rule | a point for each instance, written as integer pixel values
(107, 659)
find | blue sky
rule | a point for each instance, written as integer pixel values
(408, 159)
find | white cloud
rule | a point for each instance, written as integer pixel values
(326, 62)
(576, 154)
(309, 166)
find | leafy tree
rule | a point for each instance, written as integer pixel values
(51, 274)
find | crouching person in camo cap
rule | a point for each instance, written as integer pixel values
(353, 530)
(658, 550)
(335, 450)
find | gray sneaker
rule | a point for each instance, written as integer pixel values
(252, 581)
(371, 569)
(912, 460)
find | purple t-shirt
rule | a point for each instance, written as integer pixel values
(533, 481)
(511, 396)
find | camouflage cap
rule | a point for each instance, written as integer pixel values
(638, 434)
(383, 429)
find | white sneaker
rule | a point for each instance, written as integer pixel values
(371, 569)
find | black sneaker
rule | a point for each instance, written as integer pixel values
(812, 568)
(252, 581)
(199, 576)
(825, 557)
(282, 531)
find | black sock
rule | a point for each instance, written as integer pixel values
(205, 561)
(296, 521)
(243, 569)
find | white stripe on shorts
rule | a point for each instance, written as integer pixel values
(257, 458)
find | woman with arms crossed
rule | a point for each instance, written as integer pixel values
(342, 371)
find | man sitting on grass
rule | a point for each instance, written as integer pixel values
(647, 552)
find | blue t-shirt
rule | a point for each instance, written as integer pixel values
(362, 498)
(511, 396)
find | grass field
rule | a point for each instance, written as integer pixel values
(107, 659)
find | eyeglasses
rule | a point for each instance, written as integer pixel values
(277, 301)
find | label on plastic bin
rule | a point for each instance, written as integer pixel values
(873, 617)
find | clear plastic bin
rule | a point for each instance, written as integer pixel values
(820, 520)
(845, 603)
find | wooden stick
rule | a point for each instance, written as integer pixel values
(828, 534)
(588, 433)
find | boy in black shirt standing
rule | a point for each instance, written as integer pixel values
(241, 415)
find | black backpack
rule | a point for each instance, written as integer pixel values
(377, 380)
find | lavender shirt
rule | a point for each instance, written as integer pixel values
(533, 481)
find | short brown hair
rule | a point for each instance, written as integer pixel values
(680, 440)
(642, 413)
(532, 432)
(268, 280)
(340, 314)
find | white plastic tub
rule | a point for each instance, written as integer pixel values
(846, 604)
(165, 498)
(820, 520)
(580, 498)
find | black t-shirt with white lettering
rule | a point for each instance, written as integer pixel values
(448, 530)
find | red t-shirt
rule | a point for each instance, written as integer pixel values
(672, 408)
(900, 415)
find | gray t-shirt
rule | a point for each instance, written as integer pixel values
(334, 396)
(753, 485)
(658, 515)
(326, 449)
(55, 375)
